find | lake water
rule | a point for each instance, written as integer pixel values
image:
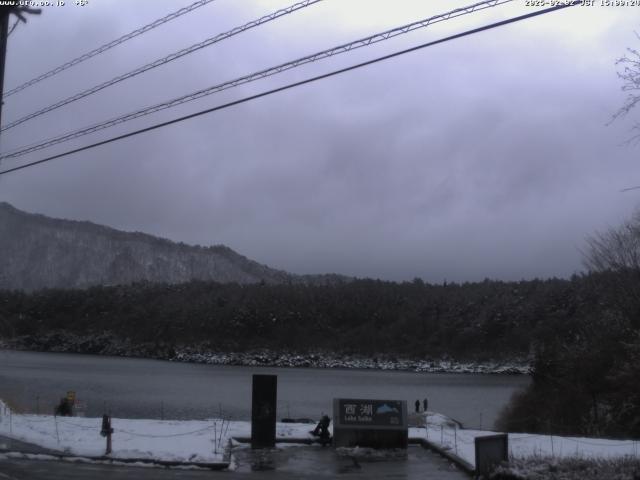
(140, 388)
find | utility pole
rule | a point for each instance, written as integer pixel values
(5, 13)
(4, 33)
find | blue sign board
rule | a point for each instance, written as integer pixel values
(379, 413)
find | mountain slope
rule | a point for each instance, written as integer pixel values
(42, 252)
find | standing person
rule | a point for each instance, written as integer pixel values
(425, 403)
(417, 406)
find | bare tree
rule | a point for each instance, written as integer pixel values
(617, 249)
(629, 73)
(614, 255)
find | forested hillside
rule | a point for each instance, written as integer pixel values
(469, 321)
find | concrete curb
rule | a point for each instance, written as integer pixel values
(302, 440)
(105, 459)
(458, 461)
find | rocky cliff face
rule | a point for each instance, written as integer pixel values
(41, 252)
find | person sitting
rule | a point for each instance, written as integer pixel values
(322, 430)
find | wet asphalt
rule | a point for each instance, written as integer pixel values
(287, 462)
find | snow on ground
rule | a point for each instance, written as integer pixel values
(206, 441)
(447, 434)
(198, 441)
(536, 468)
(71, 459)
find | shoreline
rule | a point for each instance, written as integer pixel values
(331, 360)
(270, 358)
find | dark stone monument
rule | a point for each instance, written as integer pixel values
(263, 411)
(490, 452)
(370, 423)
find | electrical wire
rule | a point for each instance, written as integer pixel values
(108, 46)
(299, 83)
(363, 42)
(162, 61)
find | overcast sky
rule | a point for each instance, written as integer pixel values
(487, 156)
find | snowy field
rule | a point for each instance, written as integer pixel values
(446, 433)
(207, 441)
(197, 441)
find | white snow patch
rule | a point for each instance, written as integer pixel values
(446, 434)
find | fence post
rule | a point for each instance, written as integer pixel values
(441, 435)
(455, 437)
(426, 425)
(106, 431)
(55, 420)
(215, 438)
(221, 434)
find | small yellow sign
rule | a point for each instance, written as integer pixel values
(71, 396)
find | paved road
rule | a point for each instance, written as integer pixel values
(11, 445)
(282, 464)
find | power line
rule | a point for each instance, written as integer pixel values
(363, 42)
(108, 46)
(169, 58)
(297, 84)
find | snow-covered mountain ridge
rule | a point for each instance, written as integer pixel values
(38, 252)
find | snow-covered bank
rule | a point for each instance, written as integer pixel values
(332, 360)
(107, 344)
(446, 434)
(540, 468)
(196, 441)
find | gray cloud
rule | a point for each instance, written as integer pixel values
(484, 157)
